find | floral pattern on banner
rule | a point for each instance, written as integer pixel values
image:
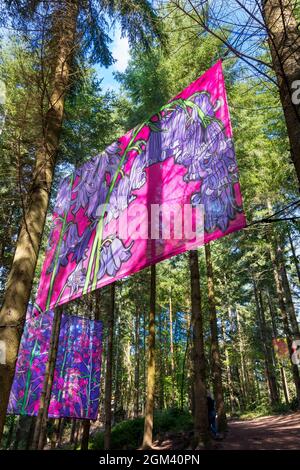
(184, 154)
(76, 384)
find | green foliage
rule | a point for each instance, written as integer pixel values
(129, 434)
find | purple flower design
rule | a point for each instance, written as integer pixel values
(113, 254)
(168, 138)
(70, 244)
(63, 197)
(203, 101)
(93, 186)
(76, 385)
(76, 279)
(89, 193)
(203, 148)
(214, 164)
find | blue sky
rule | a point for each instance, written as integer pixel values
(120, 52)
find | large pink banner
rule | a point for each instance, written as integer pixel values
(143, 199)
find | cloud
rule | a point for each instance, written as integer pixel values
(121, 53)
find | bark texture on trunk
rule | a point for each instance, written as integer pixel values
(267, 347)
(284, 41)
(109, 367)
(284, 317)
(21, 275)
(149, 407)
(201, 428)
(137, 366)
(215, 350)
(294, 255)
(85, 435)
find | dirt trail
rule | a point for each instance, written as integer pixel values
(280, 432)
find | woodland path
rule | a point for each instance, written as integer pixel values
(279, 432)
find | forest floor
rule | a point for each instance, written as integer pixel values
(279, 432)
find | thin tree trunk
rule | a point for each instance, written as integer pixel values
(215, 350)
(55, 433)
(267, 346)
(294, 255)
(144, 363)
(287, 294)
(172, 348)
(162, 372)
(41, 421)
(78, 427)
(171, 335)
(183, 371)
(149, 407)
(21, 275)
(61, 432)
(284, 385)
(73, 431)
(137, 365)
(109, 367)
(117, 372)
(30, 433)
(201, 428)
(284, 316)
(10, 433)
(85, 435)
(275, 335)
(244, 381)
(228, 370)
(284, 42)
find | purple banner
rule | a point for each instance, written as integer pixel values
(135, 204)
(76, 385)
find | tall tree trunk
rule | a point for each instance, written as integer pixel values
(41, 421)
(30, 433)
(201, 428)
(149, 407)
(109, 367)
(161, 365)
(267, 347)
(287, 293)
(284, 41)
(144, 363)
(55, 433)
(285, 320)
(294, 255)
(172, 348)
(78, 427)
(73, 430)
(244, 378)
(21, 275)
(275, 335)
(85, 435)
(215, 350)
(137, 365)
(228, 370)
(10, 434)
(284, 385)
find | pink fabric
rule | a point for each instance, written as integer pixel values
(184, 154)
(75, 390)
